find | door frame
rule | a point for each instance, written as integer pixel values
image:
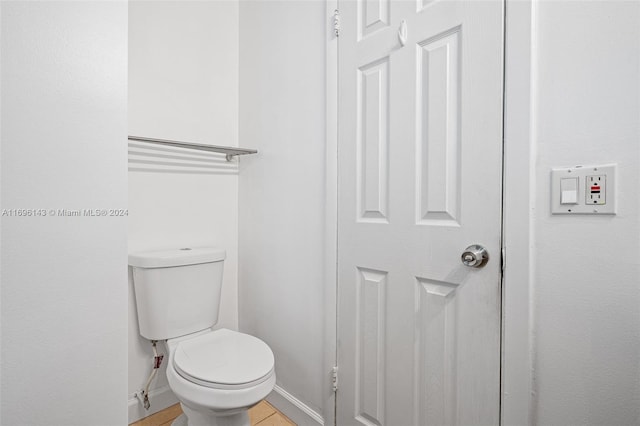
(520, 102)
(519, 106)
(330, 359)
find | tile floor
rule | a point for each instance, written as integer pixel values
(263, 414)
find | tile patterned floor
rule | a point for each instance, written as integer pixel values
(263, 414)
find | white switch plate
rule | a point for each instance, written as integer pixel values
(592, 198)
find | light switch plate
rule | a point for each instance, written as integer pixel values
(596, 189)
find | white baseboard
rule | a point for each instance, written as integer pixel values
(160, 398)
(293, 408)
(288, 404)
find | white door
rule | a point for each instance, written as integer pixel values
(420, 170)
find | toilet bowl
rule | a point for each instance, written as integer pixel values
(217, 375)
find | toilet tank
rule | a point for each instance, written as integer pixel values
(177, 291)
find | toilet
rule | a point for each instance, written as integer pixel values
(217, 375)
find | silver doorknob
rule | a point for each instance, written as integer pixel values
(474, 256)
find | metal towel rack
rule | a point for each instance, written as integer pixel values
(229, 151)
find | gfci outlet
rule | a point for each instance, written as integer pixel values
(583, 190)
(596, 190)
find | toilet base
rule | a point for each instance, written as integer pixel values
(192, 417)
(181, 420)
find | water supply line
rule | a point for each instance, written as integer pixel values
(143, 395)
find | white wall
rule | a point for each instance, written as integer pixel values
(183, 85)
(282, 194)
(64, 298)
(183, 64)
(587, 268)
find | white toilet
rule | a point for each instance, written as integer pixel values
(217, 375)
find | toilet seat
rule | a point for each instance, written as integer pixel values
(224, 359)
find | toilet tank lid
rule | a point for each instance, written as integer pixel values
(176, 257)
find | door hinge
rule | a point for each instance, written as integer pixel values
(334, 379)
(336, 22)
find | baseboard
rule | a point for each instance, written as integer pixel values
(288, 404)
(293, 408)
(160, 398)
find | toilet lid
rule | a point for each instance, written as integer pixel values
(223, 357)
